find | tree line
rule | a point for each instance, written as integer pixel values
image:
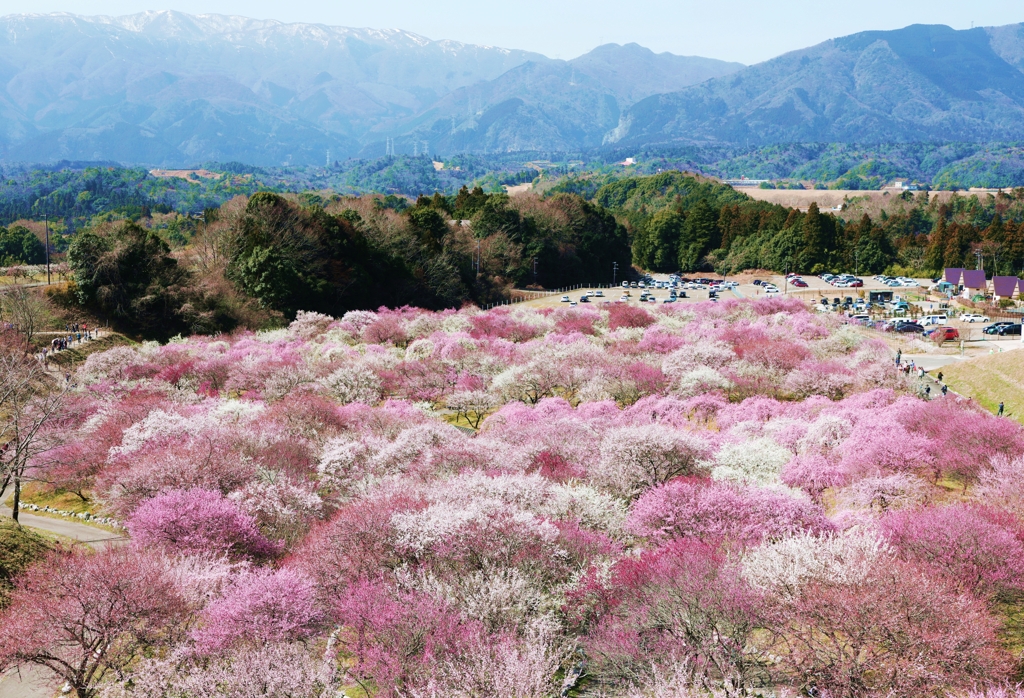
(684, 222)
(259, 261)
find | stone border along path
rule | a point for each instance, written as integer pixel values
(97, 538)
(105, 521)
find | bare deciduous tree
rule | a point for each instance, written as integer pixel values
(31, 403)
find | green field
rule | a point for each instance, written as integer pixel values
(991, 379)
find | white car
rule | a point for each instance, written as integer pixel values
(624, 299)
(771, 289)
(599, 294)
(974, 318)
(565, 299)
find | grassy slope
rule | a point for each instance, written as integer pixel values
(991, 379)
(19, 547)
(80, 352)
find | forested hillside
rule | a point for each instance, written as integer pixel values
(681, 221)
(253, 260)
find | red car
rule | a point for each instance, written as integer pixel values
(799, 283)
(944, 333)
(857, 284)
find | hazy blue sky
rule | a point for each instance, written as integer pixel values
(740, 30)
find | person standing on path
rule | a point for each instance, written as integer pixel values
(945, 389)
(1000, 410)
(899, 356)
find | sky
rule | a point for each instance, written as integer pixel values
(736, 30)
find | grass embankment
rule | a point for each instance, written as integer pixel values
(19, 548)
(34, 493)
(990, 380)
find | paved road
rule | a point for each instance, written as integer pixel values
(30, 682)
(94, 537)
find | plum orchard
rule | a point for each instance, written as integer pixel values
(733, 499)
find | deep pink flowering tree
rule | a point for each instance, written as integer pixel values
(710, 511)
(975, 548)
(682, 603)
(400, 639)
(625, 315)
(81, 617)
(197, 521)
(259, 608)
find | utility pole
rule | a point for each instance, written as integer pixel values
(478, 258)
(534, 271)
(856, 262)
(785, 288)
(615, 271)
(46, 227)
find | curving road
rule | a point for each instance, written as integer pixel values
(97, 538)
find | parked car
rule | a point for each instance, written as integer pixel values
(945, 333)
(935, 320)
(565, 299)
(1010, 330)
(584, 299)
(771, 289)
(972, 318)
(799, 283)
(911, 327)
(995, 327)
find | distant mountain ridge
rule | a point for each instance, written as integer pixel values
(554, 105)
(168, 88)
(920, 83)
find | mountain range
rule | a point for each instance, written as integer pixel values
(172, 89)
(923, 83)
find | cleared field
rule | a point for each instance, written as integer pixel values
(991, 379)
(827, 198)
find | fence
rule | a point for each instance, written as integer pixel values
(519, 295)
(993, 312)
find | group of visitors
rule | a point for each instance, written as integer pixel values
(911, 368)
(76, 333)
